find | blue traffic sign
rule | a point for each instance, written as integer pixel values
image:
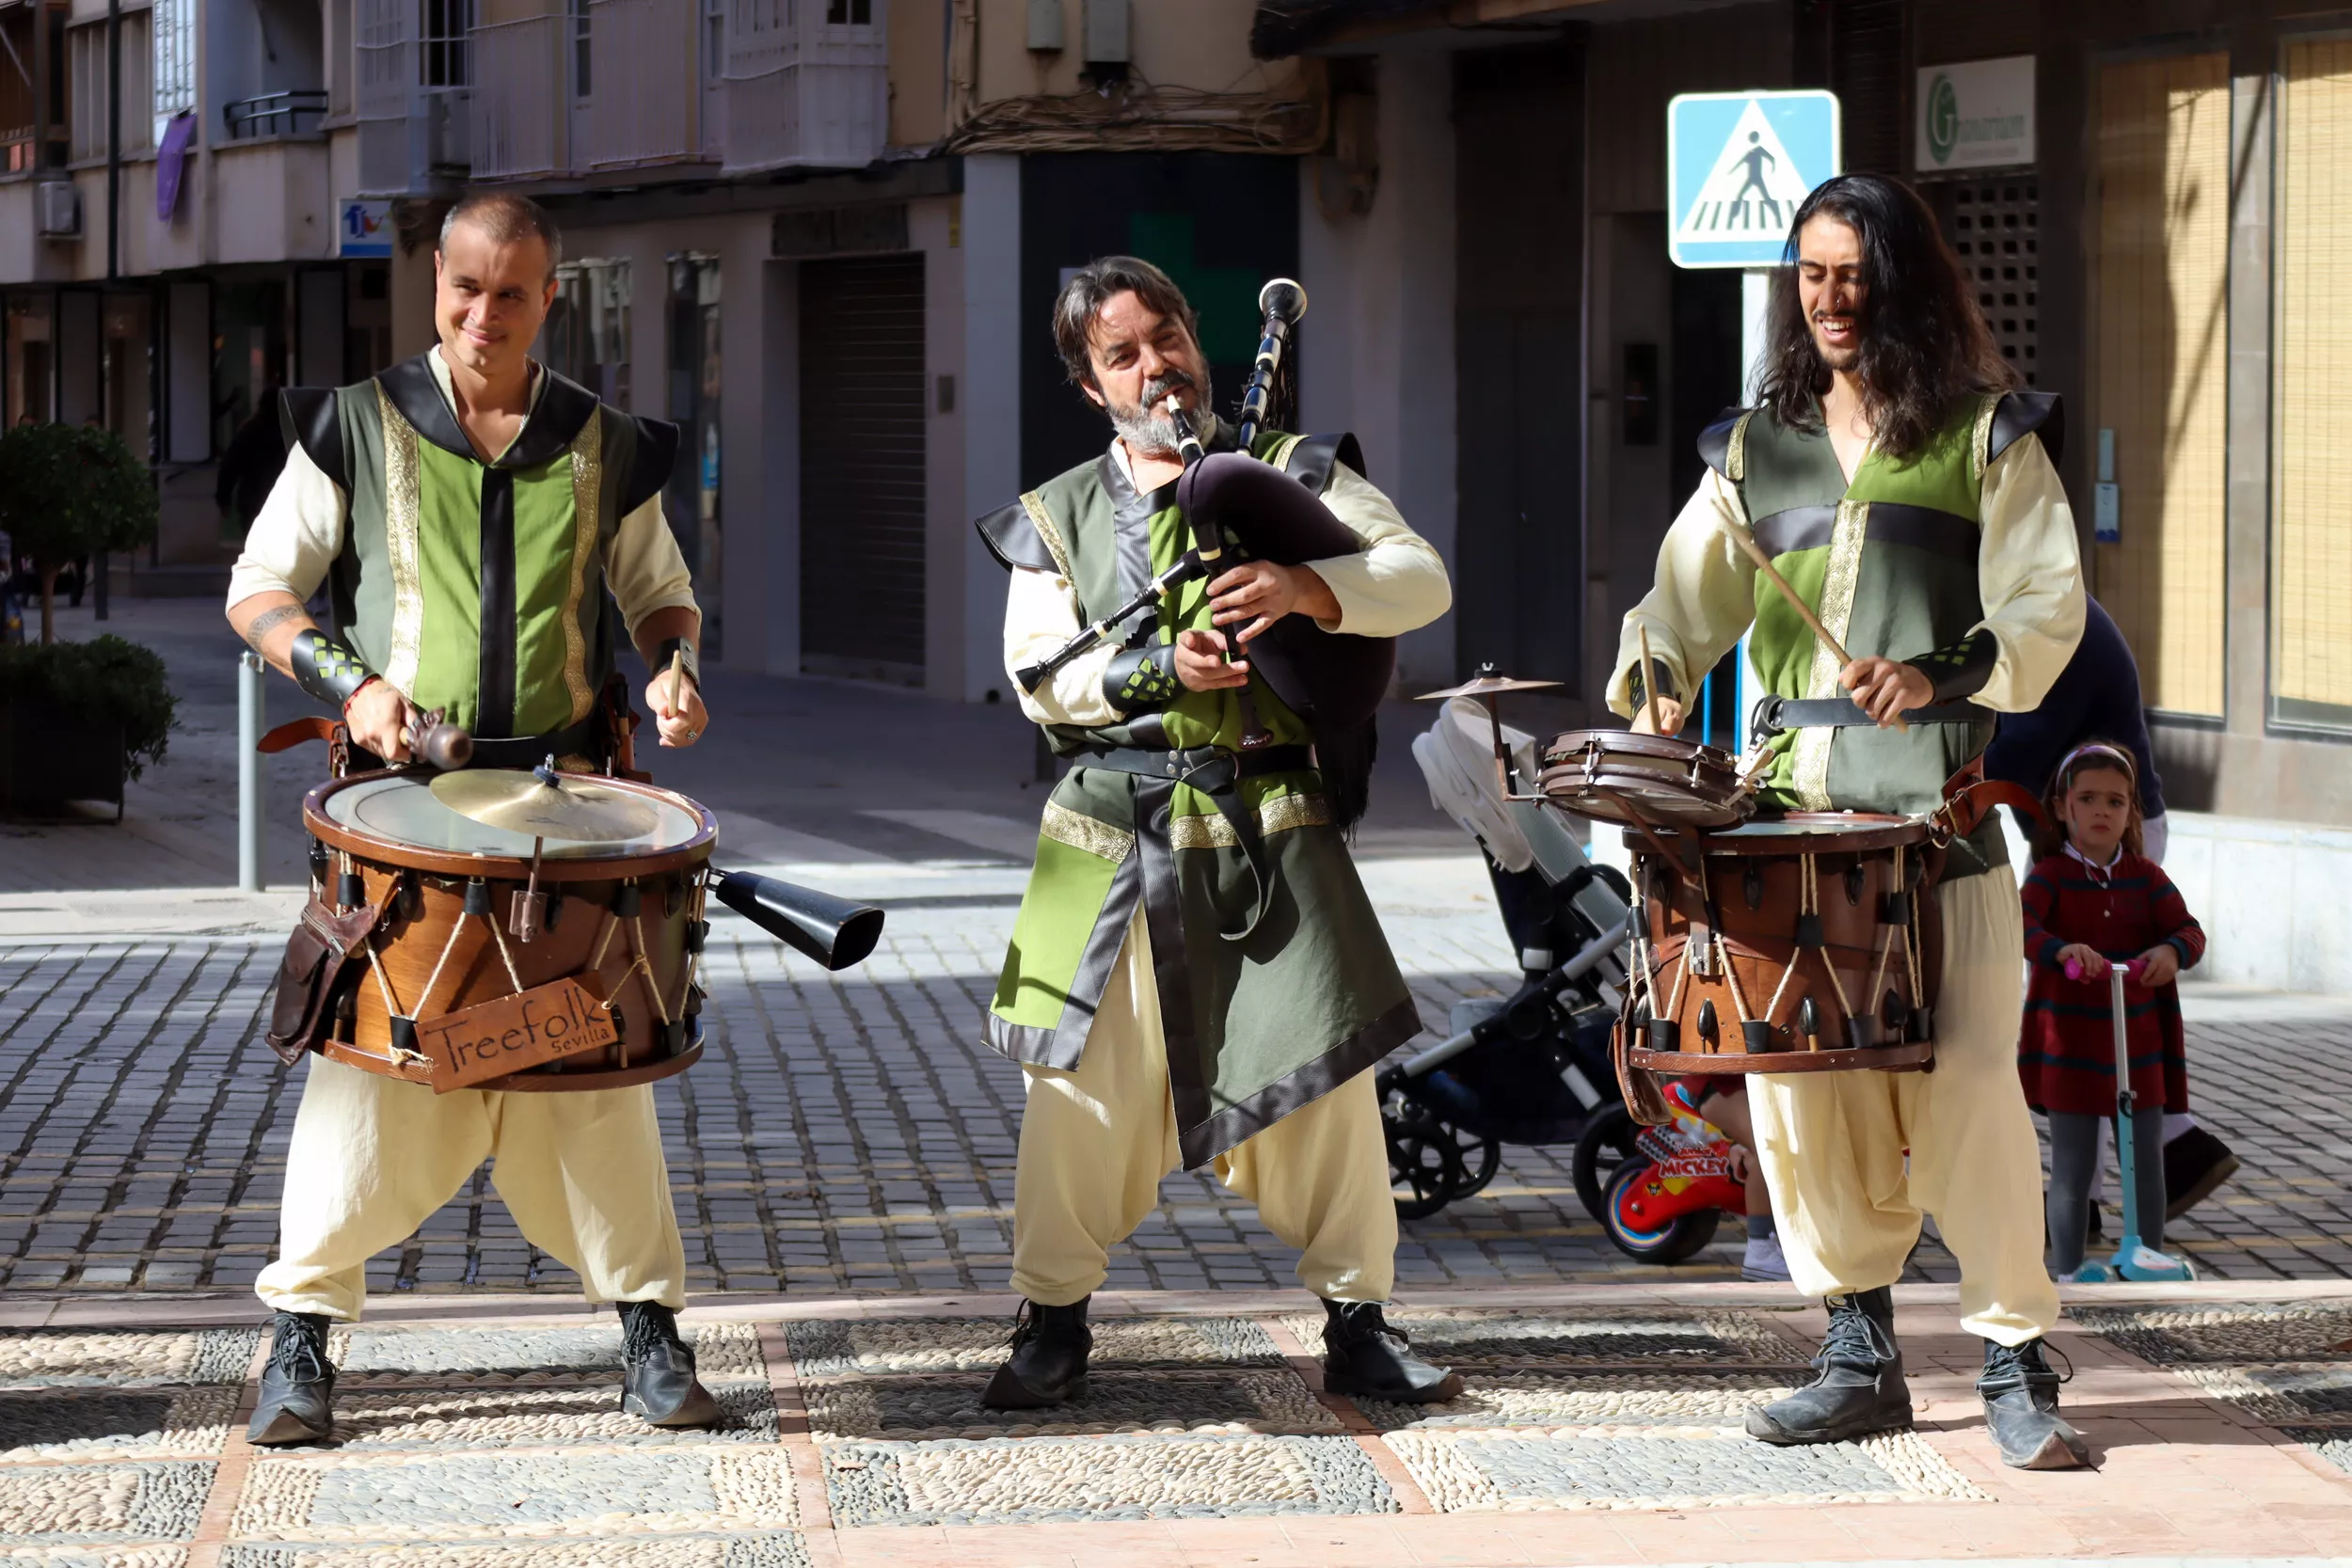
(1738, 167)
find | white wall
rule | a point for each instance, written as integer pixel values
(990, 397)
(1376, 349)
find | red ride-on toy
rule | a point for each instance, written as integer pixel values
(1660, 1192)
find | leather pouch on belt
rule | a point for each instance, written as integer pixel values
(318, 964)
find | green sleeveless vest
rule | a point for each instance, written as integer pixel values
(479, 587)
(1890, 565)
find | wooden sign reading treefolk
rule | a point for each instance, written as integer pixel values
(515, 1033)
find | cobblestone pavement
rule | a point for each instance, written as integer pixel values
(849, 1133)
(1595, 1430)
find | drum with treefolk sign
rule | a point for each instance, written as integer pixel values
(453, 970)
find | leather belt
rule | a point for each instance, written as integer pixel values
(1776, 714)
(1216, 773)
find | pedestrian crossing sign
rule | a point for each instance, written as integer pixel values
(1738, 167)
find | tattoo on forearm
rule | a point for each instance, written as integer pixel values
(270, 620)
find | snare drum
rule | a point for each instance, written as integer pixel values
(1656, 779)
(1800, 943)
(624, 918)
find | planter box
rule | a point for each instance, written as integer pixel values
(49, 756)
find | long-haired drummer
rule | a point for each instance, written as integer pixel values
(1197, 978)
(469, 509)
(1907, 494)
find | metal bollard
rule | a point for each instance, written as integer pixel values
(252, 671)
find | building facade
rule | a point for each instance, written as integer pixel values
(823, 235)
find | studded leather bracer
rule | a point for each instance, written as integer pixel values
(326, 669)
(1142, 678)
(1639, 691)
(1960, 669)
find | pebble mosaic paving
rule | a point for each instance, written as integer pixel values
(2285, 1364)
(469, 1446)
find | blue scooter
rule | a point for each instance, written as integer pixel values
(2133, 1260)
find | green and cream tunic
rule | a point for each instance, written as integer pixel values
(476, 587)
(1969, 543)
(1255, 1028)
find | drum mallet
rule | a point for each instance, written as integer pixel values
(1649, 684)
(1755, 552)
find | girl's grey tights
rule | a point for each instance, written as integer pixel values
(2075, 1160)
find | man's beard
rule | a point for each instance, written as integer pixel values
(1147, 428)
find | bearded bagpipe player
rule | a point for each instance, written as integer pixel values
(497, 957)
(1202, 620)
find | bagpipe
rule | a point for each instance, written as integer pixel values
(1238, 508)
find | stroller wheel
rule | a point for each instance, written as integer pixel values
(1607, 1143)
(1432, 1163)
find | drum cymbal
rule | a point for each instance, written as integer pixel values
(1485, 685)
(579, 810)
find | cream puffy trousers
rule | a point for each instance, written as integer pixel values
(1834, 1142)
(1095, 1143)
(371, 1157)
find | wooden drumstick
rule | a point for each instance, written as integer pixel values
(1755, 552)
(677, 682)
(1649, 684)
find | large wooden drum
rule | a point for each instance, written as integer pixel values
(623, 918)
(1807, 943)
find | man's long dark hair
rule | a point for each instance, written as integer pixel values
(1924, 344)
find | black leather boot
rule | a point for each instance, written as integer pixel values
(1364, 1355)
(2020, 1393)
(658, 1379)
(1048, 1363)
(298, 1402)
(1858, 1383)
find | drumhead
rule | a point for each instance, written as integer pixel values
(1818, 832)
(403, 810)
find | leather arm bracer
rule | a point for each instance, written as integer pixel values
(326, 668)
(1639, 690)
(1960, 669)
(1145, 678)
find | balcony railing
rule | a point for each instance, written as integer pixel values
(802, 91)
(273, 113)
(522, 100)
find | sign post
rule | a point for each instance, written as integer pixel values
(1738, 164)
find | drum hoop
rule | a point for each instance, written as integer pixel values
(366, 846)
(1837, 833)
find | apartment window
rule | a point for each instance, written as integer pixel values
(714, 40)
(173, 22)
(87, 45)
(446, 25)
(582, 82)
(850, 13)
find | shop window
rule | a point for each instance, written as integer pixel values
(2311, 547)
(2160, 279)
(586, 336)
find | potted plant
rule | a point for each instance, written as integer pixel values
(76, 719)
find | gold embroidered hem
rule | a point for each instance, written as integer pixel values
(1047, 530)
(587, 487)
(1736, 451)
(1809, 758)
(1980, 440)
(1081, 832)
(1279, 815)
(403, 524)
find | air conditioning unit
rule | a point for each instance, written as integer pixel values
(58, 202)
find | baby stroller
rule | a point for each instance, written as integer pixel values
(1531, 1067)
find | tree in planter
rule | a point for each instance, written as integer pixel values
(67, 492)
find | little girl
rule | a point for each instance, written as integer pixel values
(2092, 897)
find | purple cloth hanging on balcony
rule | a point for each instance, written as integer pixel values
(170, 160)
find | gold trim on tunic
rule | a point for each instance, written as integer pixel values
(1980, 440)
(1736, 450)
(1034, 507)
(402, 526)
(1809, 755)
(1279, 815)
(587, 490)
(1081, 832)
